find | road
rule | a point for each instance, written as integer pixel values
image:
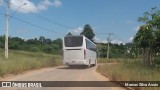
(61, 73)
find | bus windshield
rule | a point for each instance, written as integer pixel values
(73, 41)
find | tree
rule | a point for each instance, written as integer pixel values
(88, 32)
(147, 38)
(58, 42)
(48, 49)
(151, 18)
(42, 39)
(40, 44)
(2, 41)
(48, 41)
(15, 43)
(69, 34)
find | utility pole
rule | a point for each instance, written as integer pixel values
(7, 21)
(108, 39)
(6, 36)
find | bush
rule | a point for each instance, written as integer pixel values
(34, 49)
(157, 62)
(14, 46)
(48, 49)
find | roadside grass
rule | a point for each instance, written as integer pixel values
(131, 70)
(105, 60)
(20, 61)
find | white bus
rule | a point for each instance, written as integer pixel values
(78, 50)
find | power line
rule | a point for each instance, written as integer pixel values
(113, 35)
(46, 19)
(120, 38)
(109, 34)
(108, 39)
(16, 10)
(103, 33)
(34, 24)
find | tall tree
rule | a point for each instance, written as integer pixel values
(88, 32)
(42, 39)
(147, 38)
(48, 41)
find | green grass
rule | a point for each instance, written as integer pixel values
(20, 61)
(105, 60)
(131, 70)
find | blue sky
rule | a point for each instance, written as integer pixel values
(104, 16)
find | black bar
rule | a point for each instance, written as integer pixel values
(73, 49)
(80, 83)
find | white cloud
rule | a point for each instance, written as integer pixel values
(97, 39)
(1, 2)
(105, 41)
(31, 7)
(57, 3)
(136, 28)
(43, 5)
(130, 39)
(76, 31)
(117, 42)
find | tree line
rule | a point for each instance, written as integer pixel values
(47, 45)
(116, 50)
(40, 44)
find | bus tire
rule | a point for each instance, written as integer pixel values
(95, 63)
(89, 64)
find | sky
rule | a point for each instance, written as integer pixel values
(55, 18)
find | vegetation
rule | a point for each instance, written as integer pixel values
(88, 32)
(20, 61)
(147, 38)
(104, 60)
(116, 50)
(41, 44)
(130, 70)
(146, 45)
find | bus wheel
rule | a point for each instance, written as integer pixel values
(89, 64)
(95, 63)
